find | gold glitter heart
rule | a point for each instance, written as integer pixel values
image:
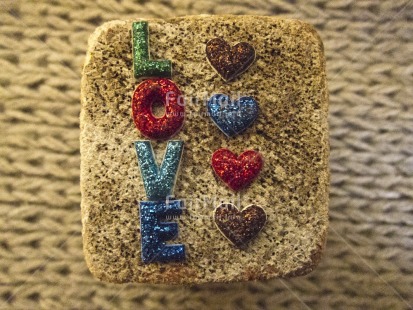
(229, 61)
(239, 227)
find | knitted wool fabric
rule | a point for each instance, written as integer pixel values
(368, 261)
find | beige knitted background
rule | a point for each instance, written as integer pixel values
(369, 258)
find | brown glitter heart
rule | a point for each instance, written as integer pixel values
(239, 227)
(229, 61)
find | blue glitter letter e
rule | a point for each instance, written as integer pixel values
(154, 233)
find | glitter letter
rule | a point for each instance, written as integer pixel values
(148, 93)
(154, 233)
(159, 181)
(142, 65)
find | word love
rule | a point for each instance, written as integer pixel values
(158, 181)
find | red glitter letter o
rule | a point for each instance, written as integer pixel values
(158, 90)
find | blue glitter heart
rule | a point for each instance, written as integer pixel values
(232, 117)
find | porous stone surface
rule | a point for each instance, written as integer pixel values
(291, 132)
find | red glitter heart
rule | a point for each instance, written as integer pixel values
(237, 172)
(239, 227)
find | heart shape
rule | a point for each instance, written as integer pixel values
(229, 61)
(237, 172)
(232, 117)
(239, 227)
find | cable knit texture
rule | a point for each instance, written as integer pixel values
(368, 261)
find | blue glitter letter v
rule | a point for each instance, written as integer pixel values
(159, 181)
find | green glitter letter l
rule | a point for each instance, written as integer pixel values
(159, 181)
(144, 67)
